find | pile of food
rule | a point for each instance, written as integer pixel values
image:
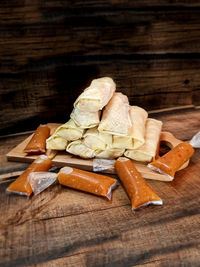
(102, 125)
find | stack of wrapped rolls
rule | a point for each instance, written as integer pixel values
(104, 125)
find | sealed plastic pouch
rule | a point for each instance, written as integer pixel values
(139, 192)
(37, 144)
(172, 161)
(39, 181)
(103, 164)
(21, 185)
(97, 184)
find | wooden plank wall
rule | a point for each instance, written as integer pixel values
(51, 49)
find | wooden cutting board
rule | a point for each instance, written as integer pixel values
(63, 158)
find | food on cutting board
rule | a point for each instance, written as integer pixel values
(115, 117)
(135, 136)
(70, 131)
(21, 185)
(80, 149)
(96, 184)
(103, 125)
(37, 144)
(96, 96)
(56, 142)
(87, 108)
(97, 140)
(173, 160)
(110, 153)
(121, 129)
(147, 151)
(139, 192)
(85, 119)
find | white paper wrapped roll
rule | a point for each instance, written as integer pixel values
(147, 151)
(56, 142)
(96, 140)
(110, 153)
(135, 137)
(85, 119)
(96, 96)
(115, 119)
(70, 131)
(78, 148)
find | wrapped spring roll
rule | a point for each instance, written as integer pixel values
(139, 192)
(96, 140)
(100, 185)
(70, 131)
(96, 96)
(37, 144)
(116, 119)
(85, 119)
(56, 142)
(147, 151)
(110, 153)
(135, 137)
(21, 185)
(78, 148)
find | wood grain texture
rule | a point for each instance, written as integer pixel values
(64, 227)
(56, 31)
(64, 223)
(151, 84)
(51, 50)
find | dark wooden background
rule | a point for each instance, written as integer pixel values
(51, 49)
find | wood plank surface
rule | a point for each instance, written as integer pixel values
(59, 223)
(51, 50)
(44, 31)
(151, 84)
(64, 227)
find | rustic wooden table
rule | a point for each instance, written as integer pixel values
(64, 227)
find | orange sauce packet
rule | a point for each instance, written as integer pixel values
(172, 161)
(37, 144)
(21, 185)
(139, 192)
(97, 184)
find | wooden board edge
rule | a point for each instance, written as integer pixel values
(84, 164)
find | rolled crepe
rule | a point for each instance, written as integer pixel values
(56, 142)
(70, 131)
(116, 119)
(125, 142)
(96, 96)
(85, 119)
(135, 137)
(96, 140)
(110, 153)
(147, 151)
(78, 148)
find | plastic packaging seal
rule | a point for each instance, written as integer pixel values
(111, 188)
(195, 141)
(39, 181)
(103, 164)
